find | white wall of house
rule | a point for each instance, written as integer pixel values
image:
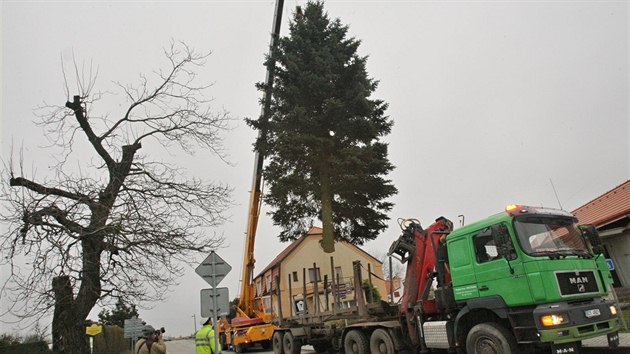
(618, 247)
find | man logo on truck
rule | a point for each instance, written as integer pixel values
(578, 280)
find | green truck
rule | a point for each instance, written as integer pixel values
(528, 279)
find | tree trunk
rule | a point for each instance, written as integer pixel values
(328, 237)
(68, 328)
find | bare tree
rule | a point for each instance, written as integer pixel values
(119, 226)
(397, 270)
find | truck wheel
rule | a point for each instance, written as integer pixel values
(266, 344)
(381, 342)
(276, 342)
(490, 338)
(290, 345)
(239, 349)
(356, 342)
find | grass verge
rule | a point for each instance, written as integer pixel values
(626, 315)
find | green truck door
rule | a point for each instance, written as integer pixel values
(493, 274)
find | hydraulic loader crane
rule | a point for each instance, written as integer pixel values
(252, 326)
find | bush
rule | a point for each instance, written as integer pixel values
(626, 315)
(371, 292)
(32, 348)
(9, 339)
(111, 341)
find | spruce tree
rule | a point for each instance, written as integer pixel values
(323, 136)
(118, 315)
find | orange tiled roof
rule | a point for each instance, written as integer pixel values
(608, 207)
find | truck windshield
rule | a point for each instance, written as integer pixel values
(551, 236)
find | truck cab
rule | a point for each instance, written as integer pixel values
(536, 272)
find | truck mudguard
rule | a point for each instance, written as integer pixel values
(496, 304)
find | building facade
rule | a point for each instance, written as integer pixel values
(310, 279)
(610, 214)
(394, 290)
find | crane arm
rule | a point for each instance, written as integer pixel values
(246, 300)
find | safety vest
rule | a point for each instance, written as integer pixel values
(204, 340)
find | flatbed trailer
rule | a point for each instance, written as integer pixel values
(327, 330)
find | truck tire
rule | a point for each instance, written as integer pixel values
(381, 342)
(276, 343)
(490, 338)
(356, 342)
(240, 348)
(290, 345)
(266, 344)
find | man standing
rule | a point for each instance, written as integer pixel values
(151, 342)
(204, 339)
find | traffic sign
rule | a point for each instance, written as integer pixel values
(610, 264)
(133, 328)
(93, 330)
(299, 306)
(213, 269)
(223, 301)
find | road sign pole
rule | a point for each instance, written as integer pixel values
(216, 269)
(133, 329)
(214, 305)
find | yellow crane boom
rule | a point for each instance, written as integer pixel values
(247, 287)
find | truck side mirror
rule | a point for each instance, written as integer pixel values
(590, 234)
(502, 240)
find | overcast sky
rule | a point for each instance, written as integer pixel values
(491, 100)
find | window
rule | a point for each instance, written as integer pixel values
(295, 277)
(266, 302)
(485, 249)
(311, 275)
(547, 236)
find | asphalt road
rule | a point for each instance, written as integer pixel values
(187, 346)
(595, 345)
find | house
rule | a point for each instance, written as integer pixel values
(304, 269)
(610, 214)
(394, 288)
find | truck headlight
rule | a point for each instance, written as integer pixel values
(554, 320)
(613, 310)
